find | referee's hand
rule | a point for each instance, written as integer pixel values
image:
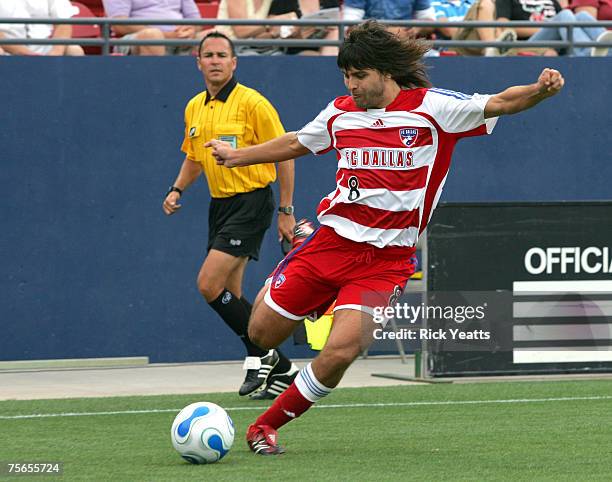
(286, 223)
(222, 152)
(171, 203)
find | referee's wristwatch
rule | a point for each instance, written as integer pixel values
(174, 189)
(288, 210)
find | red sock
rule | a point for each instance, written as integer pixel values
(289, 405)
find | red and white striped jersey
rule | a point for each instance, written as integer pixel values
(392, 162)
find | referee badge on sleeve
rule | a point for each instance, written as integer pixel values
(231, 139)
(193, 131)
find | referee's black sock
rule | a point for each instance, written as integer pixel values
(246, 304)
(236, 315)
(284, 364)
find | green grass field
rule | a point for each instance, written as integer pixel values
(487, 431)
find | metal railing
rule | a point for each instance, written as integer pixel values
(106, 41)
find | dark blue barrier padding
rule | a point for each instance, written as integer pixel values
(91, 267)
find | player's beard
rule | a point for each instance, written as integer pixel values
(372, 98)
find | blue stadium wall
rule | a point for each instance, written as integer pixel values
(92, 268)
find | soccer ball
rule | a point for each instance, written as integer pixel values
(202, 433)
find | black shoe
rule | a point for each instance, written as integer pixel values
(276, 384)
(258, 371)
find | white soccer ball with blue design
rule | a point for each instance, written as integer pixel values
(202, 433)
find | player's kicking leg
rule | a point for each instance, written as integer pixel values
(351, 333)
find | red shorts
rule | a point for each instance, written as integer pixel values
(328, 267)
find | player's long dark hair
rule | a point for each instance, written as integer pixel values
(372, 46)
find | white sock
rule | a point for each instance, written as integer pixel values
(308, 385)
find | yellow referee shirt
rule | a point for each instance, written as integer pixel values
(238, 115)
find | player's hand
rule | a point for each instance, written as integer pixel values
(286, 223)
(222, 152)
(171, 205)
(550, 82)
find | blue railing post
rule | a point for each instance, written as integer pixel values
(106, 36)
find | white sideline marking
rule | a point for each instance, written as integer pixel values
(340, 405)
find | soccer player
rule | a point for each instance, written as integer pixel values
(393, 137)
(242, 204)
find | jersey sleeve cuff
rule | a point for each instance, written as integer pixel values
(482, 100)
(307, 141)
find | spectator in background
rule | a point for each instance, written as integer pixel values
(584, 11)
(248, 9)
(532, 10)
(277, 10)
(392, 10)
(162, 9)
(310, 8)
(451, 11)
(601, 10)
(38, 9)
(479, 10)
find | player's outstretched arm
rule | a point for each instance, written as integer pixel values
(282, 148)
(523, 97)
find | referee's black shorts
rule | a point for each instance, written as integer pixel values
(237, 224)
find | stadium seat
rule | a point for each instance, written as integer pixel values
(86, 31)
(208, 10)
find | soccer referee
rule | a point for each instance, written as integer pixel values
(242, 204)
